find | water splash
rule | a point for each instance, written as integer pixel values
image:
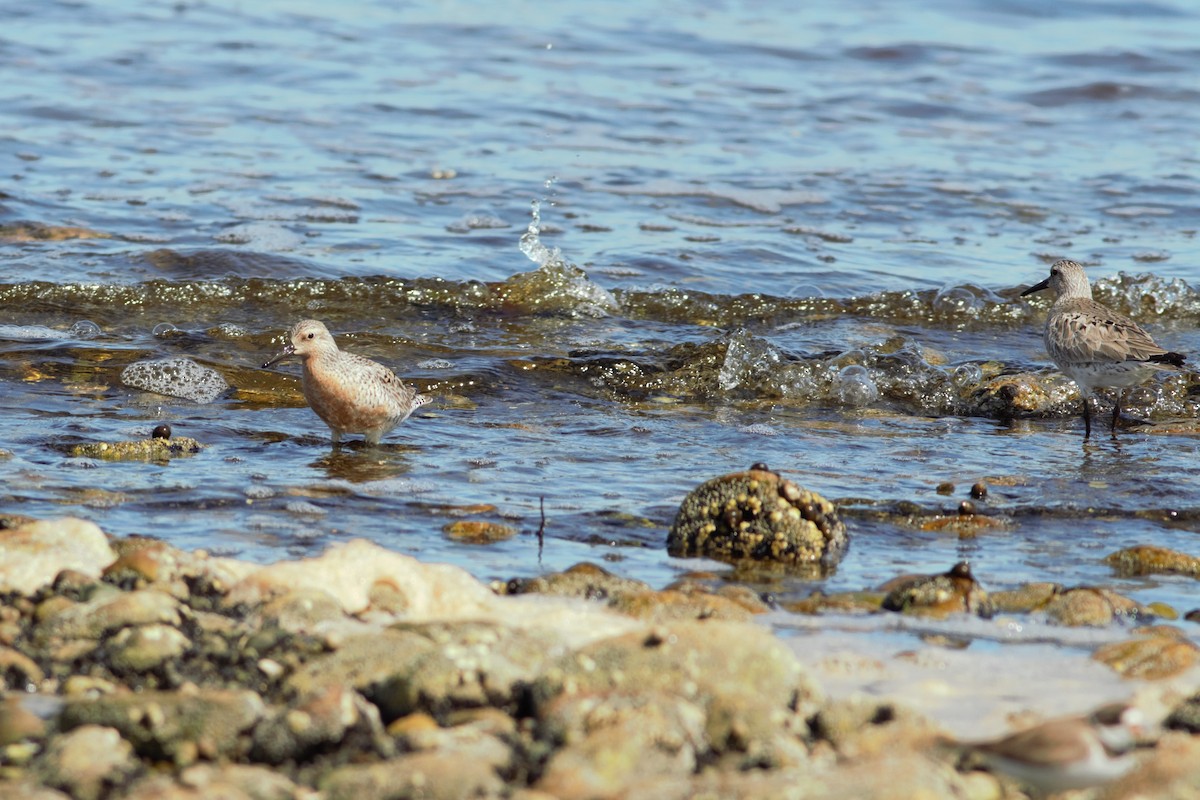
(531, 245)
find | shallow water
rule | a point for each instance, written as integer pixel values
(792, 237)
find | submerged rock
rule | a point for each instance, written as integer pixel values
(953, 592)
(478, 531)
(1150, 560)
(1010, 396)
(1156, 653)
(152, 449)
(1091, 606)
(686, 600)
(758, 515)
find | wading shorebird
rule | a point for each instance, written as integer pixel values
(350, 393)
(1094, 345)
(1068, 753)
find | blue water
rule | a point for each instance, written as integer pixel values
(686, 152)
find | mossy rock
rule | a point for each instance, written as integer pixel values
(139, 450)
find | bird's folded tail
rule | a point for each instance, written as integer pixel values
(1174, 359)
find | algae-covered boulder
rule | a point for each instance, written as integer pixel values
(757, 515)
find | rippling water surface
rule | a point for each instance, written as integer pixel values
(751, 234)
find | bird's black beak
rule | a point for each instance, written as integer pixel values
(1037, 287)
(287, 351)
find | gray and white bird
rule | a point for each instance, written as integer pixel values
(1094, 345)
(350, 393)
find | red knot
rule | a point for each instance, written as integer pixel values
(1094, 345)
(350, 393)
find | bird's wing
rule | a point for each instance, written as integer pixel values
(381, 374)
(1095, 333)
(1049, 743)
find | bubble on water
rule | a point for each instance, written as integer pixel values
(176, 377)
(854, 386)
(966, 375)
(165, 330)
(954, 300)
(85, 329)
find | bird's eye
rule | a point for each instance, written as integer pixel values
(1052, 272)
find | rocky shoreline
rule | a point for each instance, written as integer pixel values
(136, 670)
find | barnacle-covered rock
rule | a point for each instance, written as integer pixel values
(758, 515)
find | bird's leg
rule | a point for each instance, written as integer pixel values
(1116, 413)
(1087, 419)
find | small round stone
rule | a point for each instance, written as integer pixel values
(979, 490)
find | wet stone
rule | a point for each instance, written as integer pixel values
(953, 592)
(1157, 654)
(587, 581)
(670, 604)
(138, 450)
(478, 531)
(1090, 606)
(1011, 396)
(839, 602)
(1150, 560)
(1025, 598)
(757, 515)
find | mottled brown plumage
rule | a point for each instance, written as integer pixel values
(1094, 345)
(350, 393)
